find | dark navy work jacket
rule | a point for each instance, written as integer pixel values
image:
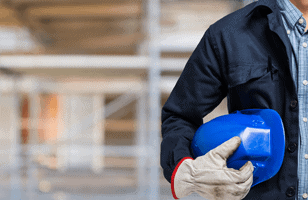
(245, 56)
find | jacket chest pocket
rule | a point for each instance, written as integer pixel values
(254, 86)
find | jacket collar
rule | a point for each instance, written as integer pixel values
(271, 4)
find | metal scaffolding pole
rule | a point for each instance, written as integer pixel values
(141, 144)
(98, 132)
(16, 190)
(153, 10)
(33, 139)
(63, 150)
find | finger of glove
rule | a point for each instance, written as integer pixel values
(227, 148)
(248, 188)
(241, 175)
(217, 177)
(245, 187)
(226, 176)
(246, 170)
(218, 192)
(238, 191)
(247, 165)
(224, 191)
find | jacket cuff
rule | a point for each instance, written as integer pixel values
(173, 175)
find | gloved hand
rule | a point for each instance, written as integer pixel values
(209, 176)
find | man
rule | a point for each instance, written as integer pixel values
(257, 57)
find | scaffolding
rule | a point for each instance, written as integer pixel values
(23, 74)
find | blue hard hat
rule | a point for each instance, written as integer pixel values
(262, 135)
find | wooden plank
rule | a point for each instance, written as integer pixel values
(85, 29)
(130, 50)
(121, 162)
(26, 3)
(111, 31)
(119, 125)
(75, 11)
(8, 18)
(112, 41)
(41, 22)
(96, 43)
(197, 16)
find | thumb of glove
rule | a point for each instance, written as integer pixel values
(218, 156)
(227, 148)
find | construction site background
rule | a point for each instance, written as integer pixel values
(82, 83)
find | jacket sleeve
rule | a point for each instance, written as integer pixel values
(199, 89)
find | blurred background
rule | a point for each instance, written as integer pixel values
(82, 83)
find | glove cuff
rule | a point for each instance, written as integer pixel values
(173, 175)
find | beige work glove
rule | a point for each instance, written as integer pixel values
(209, 176)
